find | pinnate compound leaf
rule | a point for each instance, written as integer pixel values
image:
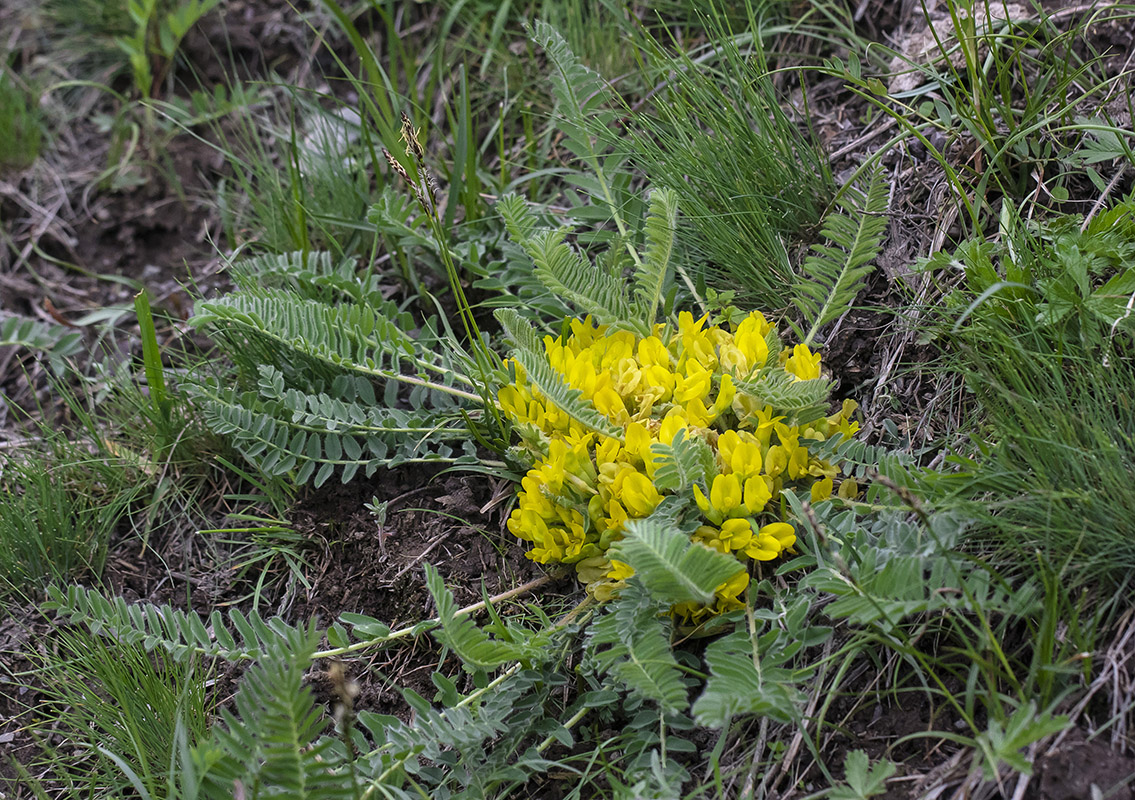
(835, 272)
(670, 566)
(274, 741)
(660, 228)
(183, 635)
(529, 351)
(736, 686)
(799, 401)
(631, 643)
(682, 463)
(475, 648)
(563, 270)
(581, 95)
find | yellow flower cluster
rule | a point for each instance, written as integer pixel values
(658, 389)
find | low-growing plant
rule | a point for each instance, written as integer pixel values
(686, 425)
(894, 583)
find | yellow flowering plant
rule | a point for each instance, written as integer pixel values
(694, 440)
(693, 421)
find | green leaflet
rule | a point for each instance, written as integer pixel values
(287, 429)
(596, 289)
(353, 336)
(315, 275)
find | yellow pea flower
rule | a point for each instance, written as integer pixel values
(750, 340)
(620, 571)
(514, 403)
(742, 455)
(698, 415)
(652, 352)
(696, 345)
(607, 399)
(616, 515)
(725, 499)
(585, 331)
(638, 442)
(725, 394)
(821, 490)
(818, 468)
(638, 494)
(762, 548)
(732, 359)
(729, 593)
(736, 534)
(758, 491)
(709, 536)
(657, 385)
(776, 460)
(695, 385)
(771, 540)
(674, 421)
(726, 494)
(608, 451)
(804, 364)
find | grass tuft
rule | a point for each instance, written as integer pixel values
(748, 181)
(21, 125)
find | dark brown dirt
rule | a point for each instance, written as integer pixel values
(1082, 769)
